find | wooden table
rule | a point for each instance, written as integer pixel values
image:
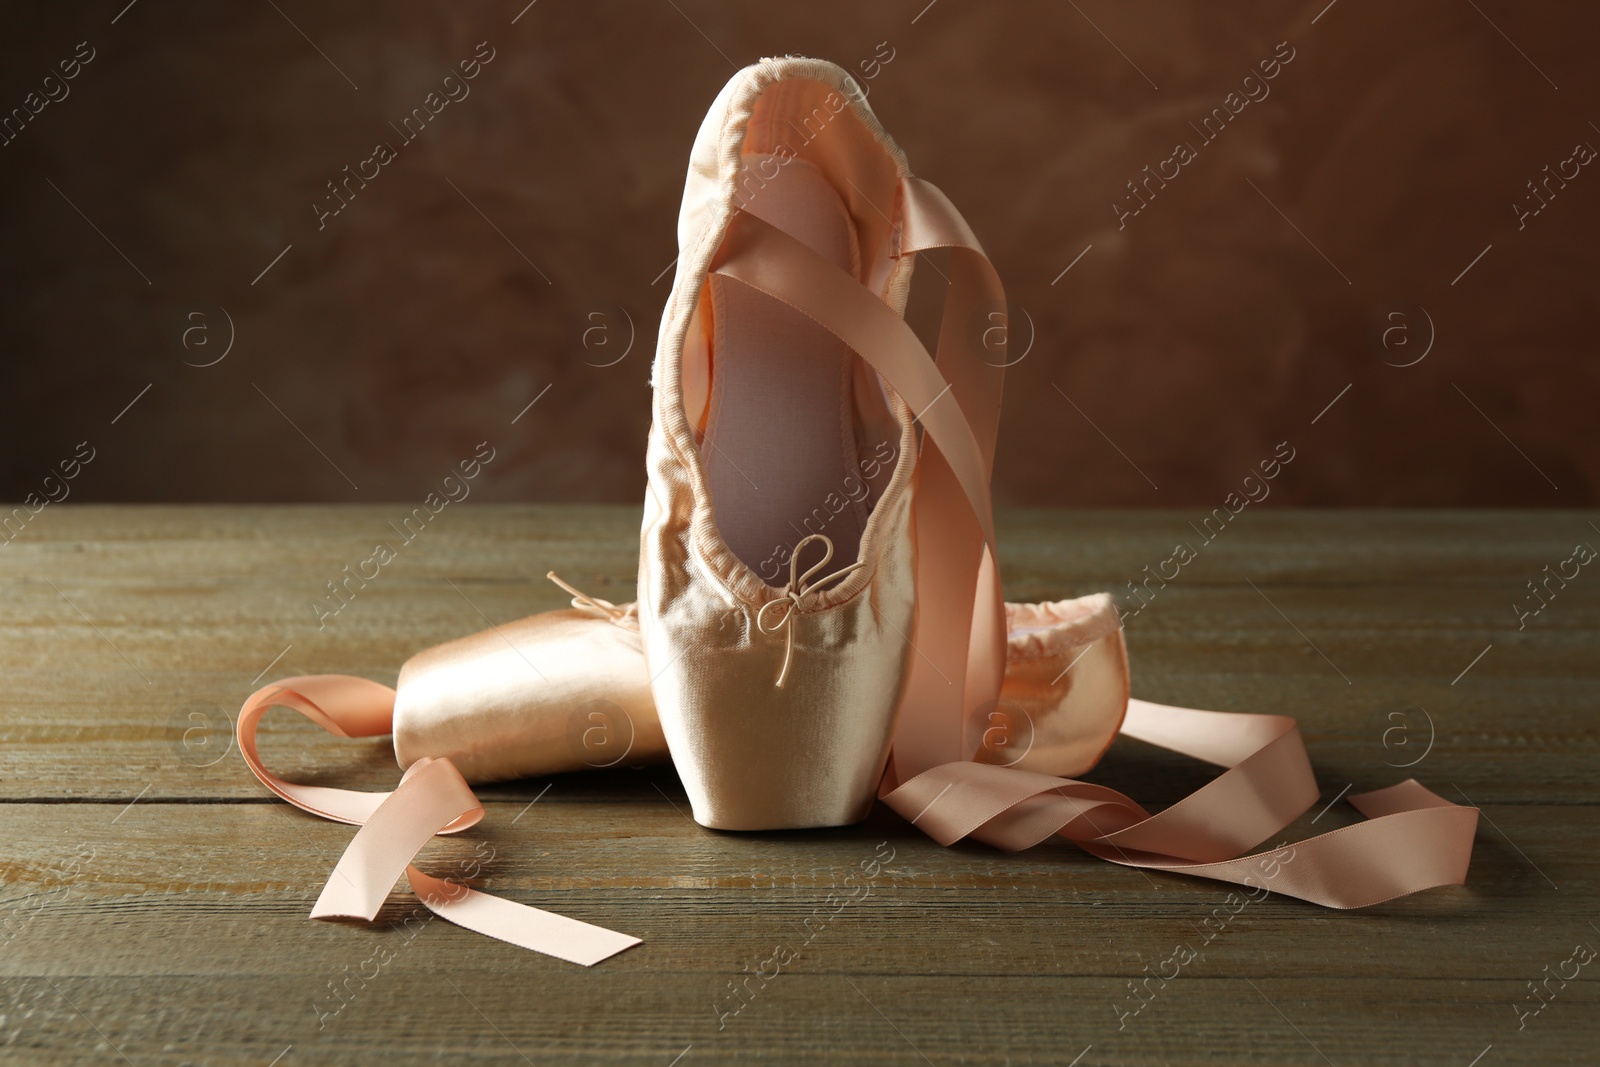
(155, 899)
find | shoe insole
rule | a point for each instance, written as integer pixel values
(780, 447)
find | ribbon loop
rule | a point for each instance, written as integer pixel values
(793, 599)
(432, 798)
(1413, 839)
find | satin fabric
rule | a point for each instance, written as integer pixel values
(432, 798)
(1065, 690)
(969, 756)
(1412, 840)
(560, 691)
(1415, 839)
(568, 690)
(753, 755)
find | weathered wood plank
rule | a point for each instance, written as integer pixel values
(195, 888)
(183, 608)
(174, 930)
(839, 1013)
(199, 911)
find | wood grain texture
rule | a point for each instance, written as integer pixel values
(154, 900)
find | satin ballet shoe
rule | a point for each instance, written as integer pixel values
(1065, 691)
(820, 615)
(777, 561)
(559, 691)
(799, 224)
(568, 691)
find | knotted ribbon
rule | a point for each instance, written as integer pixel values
(793, 599)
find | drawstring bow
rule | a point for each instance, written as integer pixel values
(800, 586)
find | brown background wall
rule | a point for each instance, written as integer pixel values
(1220, 321)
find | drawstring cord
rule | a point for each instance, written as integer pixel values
(800, 586)
(604, 609)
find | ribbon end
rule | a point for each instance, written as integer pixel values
(338, 905)
(519, 924)
(600, 953)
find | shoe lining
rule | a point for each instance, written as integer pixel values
(782, 451)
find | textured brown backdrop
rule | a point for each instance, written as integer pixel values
(531, 220)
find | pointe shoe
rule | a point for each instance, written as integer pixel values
(777, 700)
(779, 575)
(559, 691)
(568, 691)
(782, 439)
(784, 364)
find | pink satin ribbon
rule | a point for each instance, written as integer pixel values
(432, 798)
(1412, 839)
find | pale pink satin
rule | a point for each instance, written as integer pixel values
(1412, 839)
(432, 798)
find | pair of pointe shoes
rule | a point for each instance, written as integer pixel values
(809, 560)
(819, 619)
(569, 690)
